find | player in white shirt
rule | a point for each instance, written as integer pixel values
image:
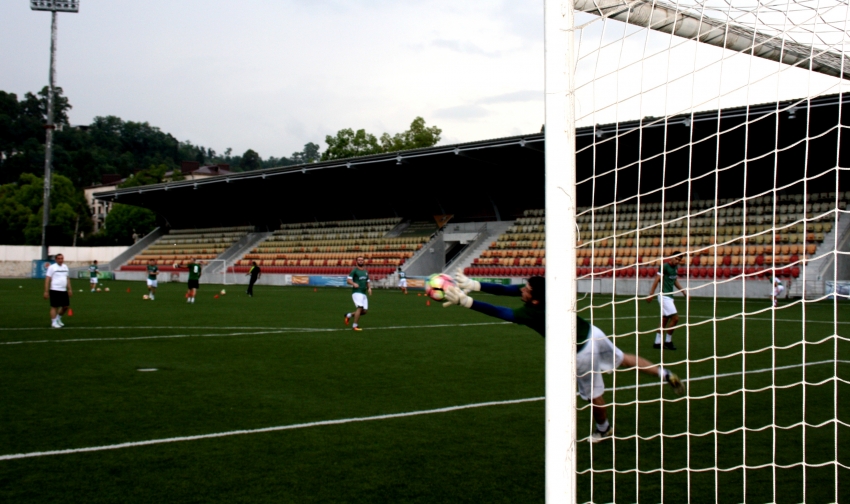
(402, 280)
(778, 288)
(57, 288)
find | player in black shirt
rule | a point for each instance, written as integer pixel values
(255, 275)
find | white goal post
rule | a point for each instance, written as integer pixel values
(216, 272)
(698, 148)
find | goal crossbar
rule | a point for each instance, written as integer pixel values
(667, 18)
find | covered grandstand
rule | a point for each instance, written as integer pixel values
(645, 189)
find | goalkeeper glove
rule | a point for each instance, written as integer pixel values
(465, 283)
(455, 296)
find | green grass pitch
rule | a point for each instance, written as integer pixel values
(285, 359)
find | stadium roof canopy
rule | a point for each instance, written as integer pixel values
(498, 178)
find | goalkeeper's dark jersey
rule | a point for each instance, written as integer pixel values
(530, 315)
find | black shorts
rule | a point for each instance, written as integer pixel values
(58, 299)
(193, 284)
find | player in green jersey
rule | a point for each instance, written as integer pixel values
(669, 278)
(360, 284)
(194, 277)
(93, 275)
(402, 280)
(153, 271)
(595, 353)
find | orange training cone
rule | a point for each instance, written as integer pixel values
(70, 312)
(128, 289)
(216, 296)
(315, 289)
(428, 303)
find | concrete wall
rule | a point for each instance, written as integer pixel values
(432, 260)
(16, 260)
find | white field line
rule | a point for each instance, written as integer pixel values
(283, 330)
(727, 375)
(134, 444)
(111, 328)
(266, 429)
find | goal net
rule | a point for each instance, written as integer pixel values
(216, 272)
(708, 148)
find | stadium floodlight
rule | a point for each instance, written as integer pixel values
(53, 6)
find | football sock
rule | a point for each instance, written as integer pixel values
(349, 315)
(355, 324)
(657, 338)
(603, 427)
(662, 373)
(669, 338)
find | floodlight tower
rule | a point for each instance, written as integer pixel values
(53, 6)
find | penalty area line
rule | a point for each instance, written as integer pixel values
(281, 330)
(341, 421)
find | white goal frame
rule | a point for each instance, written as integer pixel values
(779, 44)
(218, 277)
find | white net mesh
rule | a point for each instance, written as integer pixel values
(715, 130)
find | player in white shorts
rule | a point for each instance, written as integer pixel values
(358, 279)
(153, 271)
(668, 276)
(93, 275)
(595, 353)
(402, 280)
(778, 288)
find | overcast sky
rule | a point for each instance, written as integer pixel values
(274, 75)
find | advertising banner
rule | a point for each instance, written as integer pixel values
(841, 289)
(39, 268)
(300, 280)
(415, 283)
(101, 275)
(328, 281)
(501, 281)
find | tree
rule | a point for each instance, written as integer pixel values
(417, 137)
(21, 210)
(122, 220)
(347, 143)
(310, 154)
(250, 161)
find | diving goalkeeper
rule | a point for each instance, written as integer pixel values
(595, 353)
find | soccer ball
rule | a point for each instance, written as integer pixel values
(436, 285)
(223, 292)
(106, 289)
(98, 289)
(145, 297)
